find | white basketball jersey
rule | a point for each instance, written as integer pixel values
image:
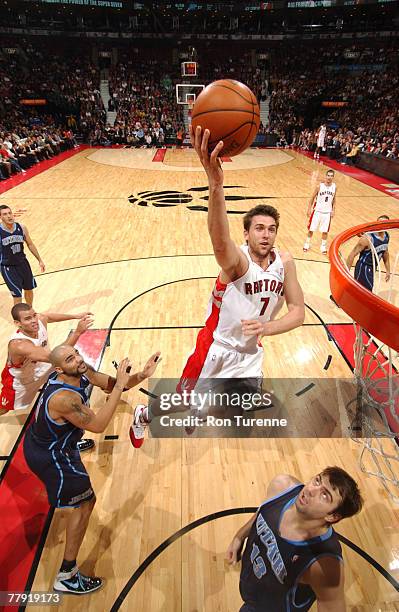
(253, 296)
(325, 198)
(321, 136)
(32, 372)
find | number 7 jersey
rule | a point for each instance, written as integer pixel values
(253, 296)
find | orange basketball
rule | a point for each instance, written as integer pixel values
(230, 111)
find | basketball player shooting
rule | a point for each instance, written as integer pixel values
(246, 297)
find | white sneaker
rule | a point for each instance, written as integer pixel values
(76, 583)
(323, 249)
(137, 428)
(306, 247)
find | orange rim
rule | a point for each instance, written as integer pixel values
(375, 315)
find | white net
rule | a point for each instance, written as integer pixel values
(376, 418)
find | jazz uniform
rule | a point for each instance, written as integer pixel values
(222, 350)
(364, 269)
(272, 565)
(320, 217)
(20, 382)
(50, 449)
(14, 266)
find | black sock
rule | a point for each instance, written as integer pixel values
(67, 566)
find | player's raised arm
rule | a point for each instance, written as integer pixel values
(230, 258)
(69, 406)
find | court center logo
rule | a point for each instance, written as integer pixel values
(191, 199)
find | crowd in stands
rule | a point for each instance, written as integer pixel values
(24, 147)
(143, 96)
(368, 117)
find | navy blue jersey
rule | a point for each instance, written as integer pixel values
(49, 434)
(272, 565)
(12, 245)
(380, 245)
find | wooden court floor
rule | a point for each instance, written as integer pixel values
(119, 232)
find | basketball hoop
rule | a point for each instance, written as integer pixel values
(376, 346)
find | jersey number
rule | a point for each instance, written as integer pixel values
(258, 564)
(265, 305)
(326, 200)
(15, 248)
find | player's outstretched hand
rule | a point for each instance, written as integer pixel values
(84, 323)
(211, 163)
(42, 266)
(252, 327)
(233, 553)
(151, 365)
(82, 315)
(123, 373)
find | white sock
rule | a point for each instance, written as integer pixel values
(324, 244)
(307, 244)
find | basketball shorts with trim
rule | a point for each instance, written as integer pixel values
(15, 396)
(61, 471)
(18, 278)
(319, 221)
(364, 275)
(242, 370)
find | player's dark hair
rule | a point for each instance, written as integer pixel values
(17, 309)
(351, 499)
(383, 217)
(4, 207)
(261, 209)
(330, 171)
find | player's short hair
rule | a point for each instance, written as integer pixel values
(330, 171)
(351, 499)
(383, 217)
(261, 209)
(4, 207)
(17, 309)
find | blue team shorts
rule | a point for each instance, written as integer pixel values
(18, 278)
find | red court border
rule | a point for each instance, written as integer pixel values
(368, 178)
(17, 179)
(26, 514)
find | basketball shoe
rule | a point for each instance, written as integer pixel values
(76, 583)
(85, 444)
(137, 428)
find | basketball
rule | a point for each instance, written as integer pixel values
(230, 111)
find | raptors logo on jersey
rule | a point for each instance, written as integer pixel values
(325, 198)
(222, 350)
(253, 296)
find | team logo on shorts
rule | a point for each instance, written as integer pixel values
(191, 199)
